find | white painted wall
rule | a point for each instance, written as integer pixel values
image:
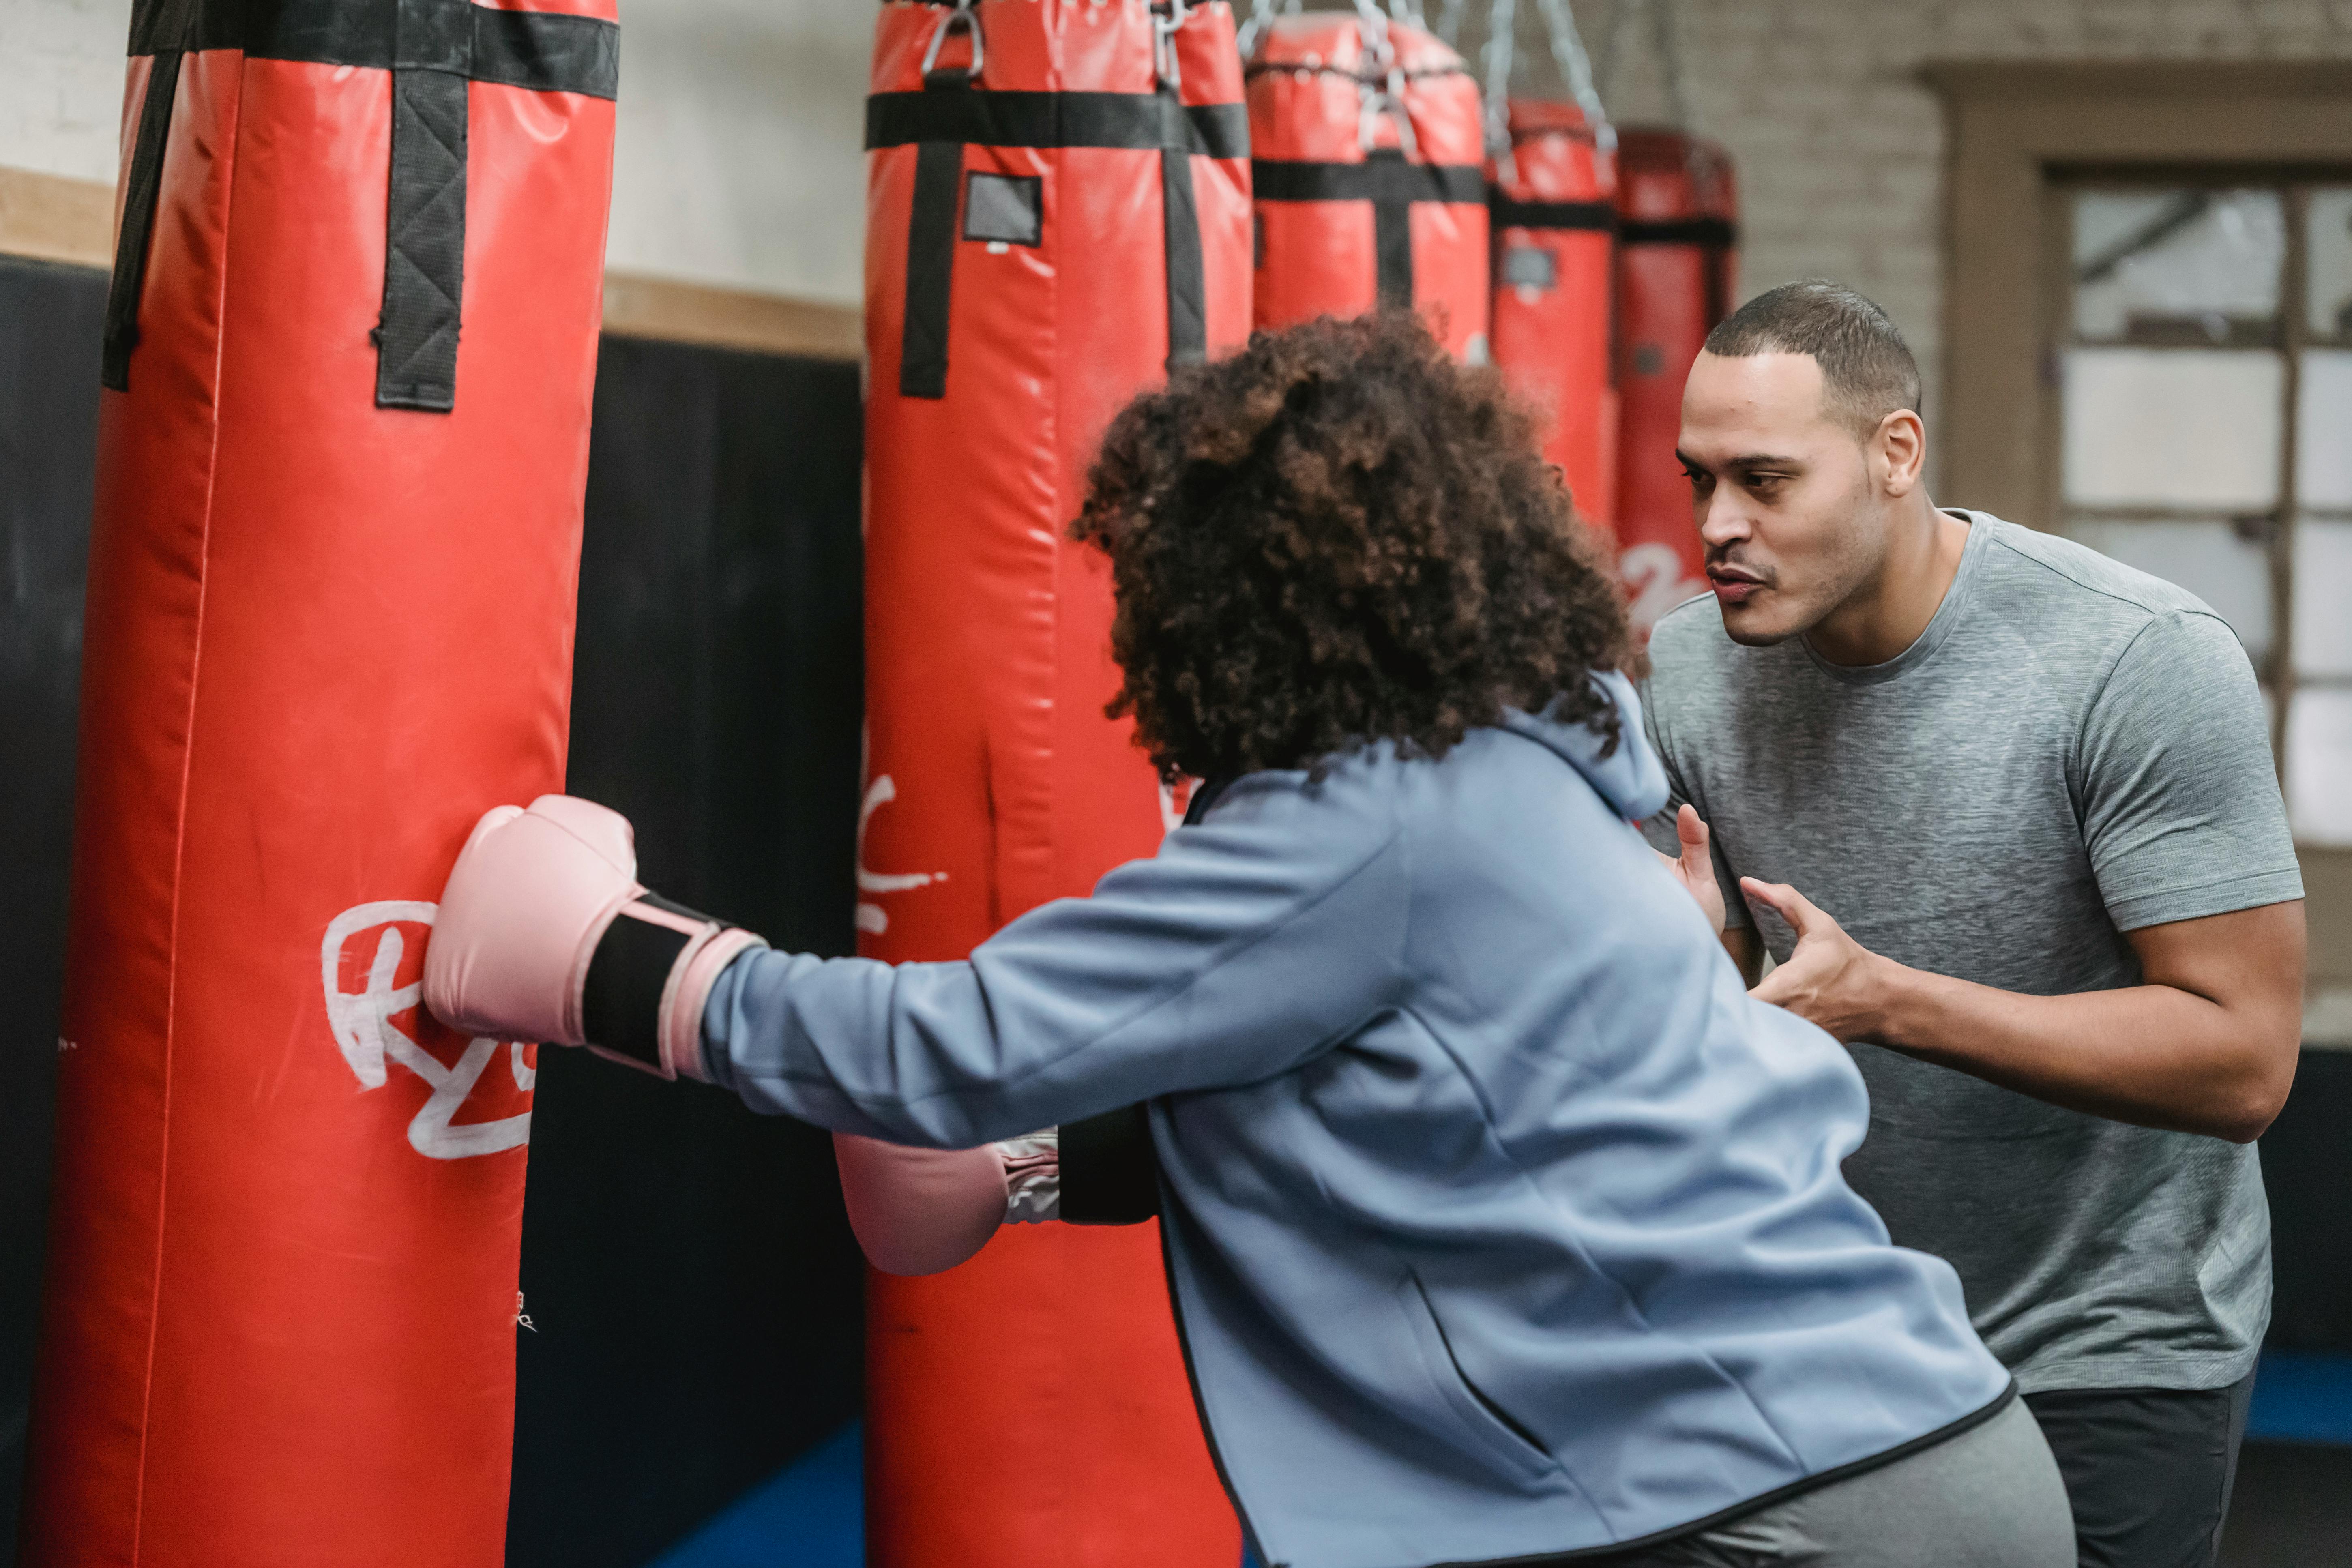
(739, 130)
(740, 120)
(61, 84)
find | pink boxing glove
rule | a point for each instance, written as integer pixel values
(545, 934)
(921, 1211)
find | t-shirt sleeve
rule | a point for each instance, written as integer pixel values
(1660, 830)
(2181, 800)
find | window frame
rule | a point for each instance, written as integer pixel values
(2019, 136)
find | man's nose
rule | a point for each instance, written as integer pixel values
(1721, 519)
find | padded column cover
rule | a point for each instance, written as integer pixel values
(1675, 272)
(1031, 1406)
(323, 635)
(1351, 213)
(1555, 222)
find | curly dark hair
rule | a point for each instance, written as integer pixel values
(1340, 536)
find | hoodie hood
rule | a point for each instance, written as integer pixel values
(1631, 778)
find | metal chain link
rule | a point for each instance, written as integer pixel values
(1502, 22)
(1575, 66)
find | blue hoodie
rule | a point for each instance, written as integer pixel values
(1501, 1222)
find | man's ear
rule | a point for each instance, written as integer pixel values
(1898, 450)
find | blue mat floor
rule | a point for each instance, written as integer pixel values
(811, 1513)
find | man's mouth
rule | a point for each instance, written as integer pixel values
(1734, 586)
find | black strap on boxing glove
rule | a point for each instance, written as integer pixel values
(1110, 1173)
(641, 1001)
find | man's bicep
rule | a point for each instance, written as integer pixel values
(2181, 813)
(2246, 958)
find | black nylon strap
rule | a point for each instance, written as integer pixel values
(1188, 289)
(544, 52)
(1392, 185)
(142, 186)
(425, 237)
(620, 996)
(1110, 1173)
(1392, 233)
(984, 117)
(433, 48)
(1590, 216)
(1715, 232)
(1382, 175)
(931, 270)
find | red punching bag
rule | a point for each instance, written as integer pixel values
(1675, 278)
(1369, 160)
(1555, 218)
(1057, 211)
(351, 345)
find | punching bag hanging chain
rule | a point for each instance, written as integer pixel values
(1380, 89)
(1502, 20)
(1261, 17)
(1568, 52)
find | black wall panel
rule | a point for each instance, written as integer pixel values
(50, 323)
(2307, 1170)
(695, 1290)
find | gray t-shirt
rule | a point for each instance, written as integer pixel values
(2071, 750)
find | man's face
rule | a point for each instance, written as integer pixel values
(1784, 494)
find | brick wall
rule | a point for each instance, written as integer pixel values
(1839, 148)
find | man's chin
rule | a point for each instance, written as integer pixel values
(1756, 625)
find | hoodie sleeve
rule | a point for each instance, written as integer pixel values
(1249, 944)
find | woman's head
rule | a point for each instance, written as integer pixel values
(1336, 536)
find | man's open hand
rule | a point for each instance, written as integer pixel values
(1696, 869)
(1831, 979)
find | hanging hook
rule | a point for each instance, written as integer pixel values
(964, 14)
(1166, 18)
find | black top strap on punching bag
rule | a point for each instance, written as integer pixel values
(433, 50)
(955, 109)
(1391, 184)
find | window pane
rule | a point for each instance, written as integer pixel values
(2319, 765)
(2209, 558)
(2323, 429)
(2323, 598)
(2172, 428)
(2177, 266)
(2330, 264)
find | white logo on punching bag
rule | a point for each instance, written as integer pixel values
(1654, 574)
(871, 917)
(880, 793)
(366, 1036)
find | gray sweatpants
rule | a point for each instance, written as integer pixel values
(1989, 1498)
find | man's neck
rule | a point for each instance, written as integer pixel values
(1888, 613)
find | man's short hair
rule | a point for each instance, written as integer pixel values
(1867, 371)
